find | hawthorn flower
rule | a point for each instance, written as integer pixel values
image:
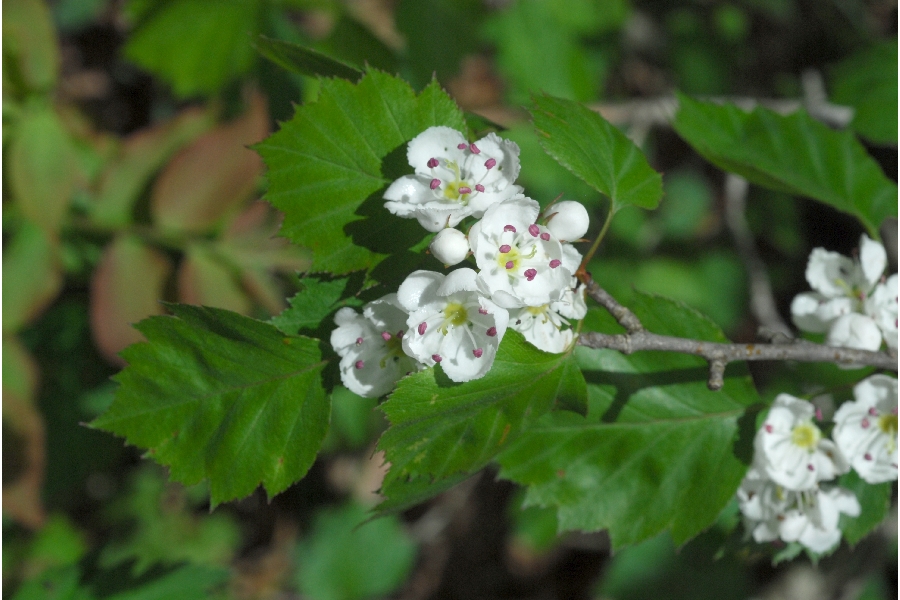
(453, 179)
(810, 517)
(866, 429)
(371, 348)
(450, 246)
(543, 327)
(790, 450)
(451, 323)
(521, 262)
(846, 303)
(567, 220)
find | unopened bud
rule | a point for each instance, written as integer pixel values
(567, 220)
(450, 246)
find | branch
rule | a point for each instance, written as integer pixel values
(717, 354)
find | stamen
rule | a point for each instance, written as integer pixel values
(818, 413)
(477, 352)
(867, 456)
(385, 335)
(505, 248)
(510, 264)
(422, 327)
(768, 428)
(460, 146)
(555, 263)
(530, 274)
(491, 332)
(436, 358)
(474, 149)
(545, 236)
(509, 228)
(359, 341)
(432, 163)
(465, 190)
(534, 230)
(865, 423)
(479, 187)
(400, 334)
(490, 163)
(435, 184)
(873, 411)
(809, 467)
(359, 364)
(482, 311)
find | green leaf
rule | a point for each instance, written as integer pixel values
(346, 558)
(594, 150)
(31, 273)
(311, 305)
(305, 61)
(190, 581)
(58, 583)
(29, 38)
(326, 161)
(657, 450)
(403, 492)
(224, 397)
(440, 428)
(874, 502)
(197, 46)
(867, 81)
(793, 153)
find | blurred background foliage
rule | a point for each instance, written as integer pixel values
(128, 180)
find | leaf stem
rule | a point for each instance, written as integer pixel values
(582, 273)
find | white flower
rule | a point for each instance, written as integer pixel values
(847, 302)
(810, 517)
(451, 323)
(543, 327)
(370, 347)
(522, 263)
(789, 447)
(453, 179)
(450, 246)
(866, 429)
(881, 305)
(571, 303)
(567, 220)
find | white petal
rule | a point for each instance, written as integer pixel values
(457, 281)
(404, 195)
(450, 246)
(567, 220)
(829, 273)
(434, 142)
(419, 289)
(854, 331)
(872, 259)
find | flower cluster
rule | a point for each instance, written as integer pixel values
(525, 278)
(853, 304)
(788, 493)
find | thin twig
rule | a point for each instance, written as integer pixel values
(762, 299)
(718, 354)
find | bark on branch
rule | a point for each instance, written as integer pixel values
(717, 354)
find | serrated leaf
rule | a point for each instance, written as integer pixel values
(874, 502)
(197, 46)
(219, 396)
(867, 81)
(657, 449)
(793, 153)
(305, 61)
(326, 161)
(440, 428)
(602, 156)
(312, 304)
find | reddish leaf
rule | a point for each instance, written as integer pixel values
(139, 157)
(31, 276)
(126, 287)
(204, 279)
(213, 176)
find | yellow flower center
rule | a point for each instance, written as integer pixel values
(455, 314)
(888, 424)
(505, 257)
(806, 436)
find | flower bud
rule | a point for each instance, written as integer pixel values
(450, 246)
(567, 220)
